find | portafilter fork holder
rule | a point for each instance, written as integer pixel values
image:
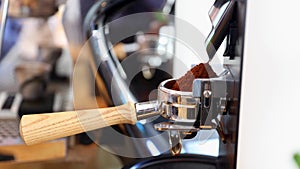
(189, 112)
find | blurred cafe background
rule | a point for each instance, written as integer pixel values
(68, 55)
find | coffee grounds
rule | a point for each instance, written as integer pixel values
(185, 83)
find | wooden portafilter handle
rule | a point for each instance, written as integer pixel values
(37, 128)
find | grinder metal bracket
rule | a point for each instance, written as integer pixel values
(215, 95)
(204, 108)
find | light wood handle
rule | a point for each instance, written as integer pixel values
(37, 128)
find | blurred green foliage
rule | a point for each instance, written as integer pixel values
(297, 159)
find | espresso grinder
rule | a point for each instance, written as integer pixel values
(201, 125)
(177, 129)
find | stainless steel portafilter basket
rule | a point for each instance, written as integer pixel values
(189, 111)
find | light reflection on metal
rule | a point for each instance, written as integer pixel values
(4, 11)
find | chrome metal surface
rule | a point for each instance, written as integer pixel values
(218, 86)
(220, 14)
(187, 128)
(145, 110)
(177, 105)
(109, 72)
(4, 12)
(175, 142)
(166, 126)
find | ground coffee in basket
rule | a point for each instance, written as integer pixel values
(185, 83)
